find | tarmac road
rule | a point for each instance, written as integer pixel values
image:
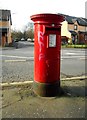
(73, 61)
(17, 64)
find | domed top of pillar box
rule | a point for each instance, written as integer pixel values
(47, 17)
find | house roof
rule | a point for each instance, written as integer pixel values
(82, 21)
(85, 19)
(5, 15)
(71, 20)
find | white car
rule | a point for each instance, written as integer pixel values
(29, 39)
(22, 39)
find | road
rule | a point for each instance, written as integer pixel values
(17, 64)
(73, 61)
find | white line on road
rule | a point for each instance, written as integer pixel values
(70, 53)
(15, 60)
(23, 59)
(73, 57)
(11, 56)
(84, 58)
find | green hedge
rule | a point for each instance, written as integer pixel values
(74, 46)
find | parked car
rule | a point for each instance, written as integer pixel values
(22, 39)
(29, 40)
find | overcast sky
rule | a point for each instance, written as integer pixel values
(21, 10)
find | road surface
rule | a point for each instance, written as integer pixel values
(17, 64)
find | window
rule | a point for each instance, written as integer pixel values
(86, 28)
(85, 37)
(0, 18)
(75, 27)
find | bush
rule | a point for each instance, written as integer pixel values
(74, 46)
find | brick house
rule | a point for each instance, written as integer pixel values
(74, 29)
(5, 27)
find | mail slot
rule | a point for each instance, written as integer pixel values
(47, 45)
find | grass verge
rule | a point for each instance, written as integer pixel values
(74, 46)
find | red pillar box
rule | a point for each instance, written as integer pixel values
(47, 35)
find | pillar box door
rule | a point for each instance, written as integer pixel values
(47, 35)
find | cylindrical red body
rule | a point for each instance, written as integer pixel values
(47, 35)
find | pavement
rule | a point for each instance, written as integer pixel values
(19, 100)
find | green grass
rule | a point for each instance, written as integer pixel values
(74, 46)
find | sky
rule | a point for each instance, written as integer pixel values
(21, 10)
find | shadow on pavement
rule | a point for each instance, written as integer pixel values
(74, 91)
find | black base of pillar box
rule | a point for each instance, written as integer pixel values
(47, 89)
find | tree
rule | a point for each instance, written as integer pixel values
(16, 35)
(30, 34)
(26, 33)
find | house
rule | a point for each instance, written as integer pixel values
(74, 30)
(5, 27)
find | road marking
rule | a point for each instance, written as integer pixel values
(13, 56)
(75, 57)
(15, 60)
(25, 60)
(84, 58)
(70, 53)
(16, 56)
(19, 58)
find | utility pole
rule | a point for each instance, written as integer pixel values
(86, 9)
